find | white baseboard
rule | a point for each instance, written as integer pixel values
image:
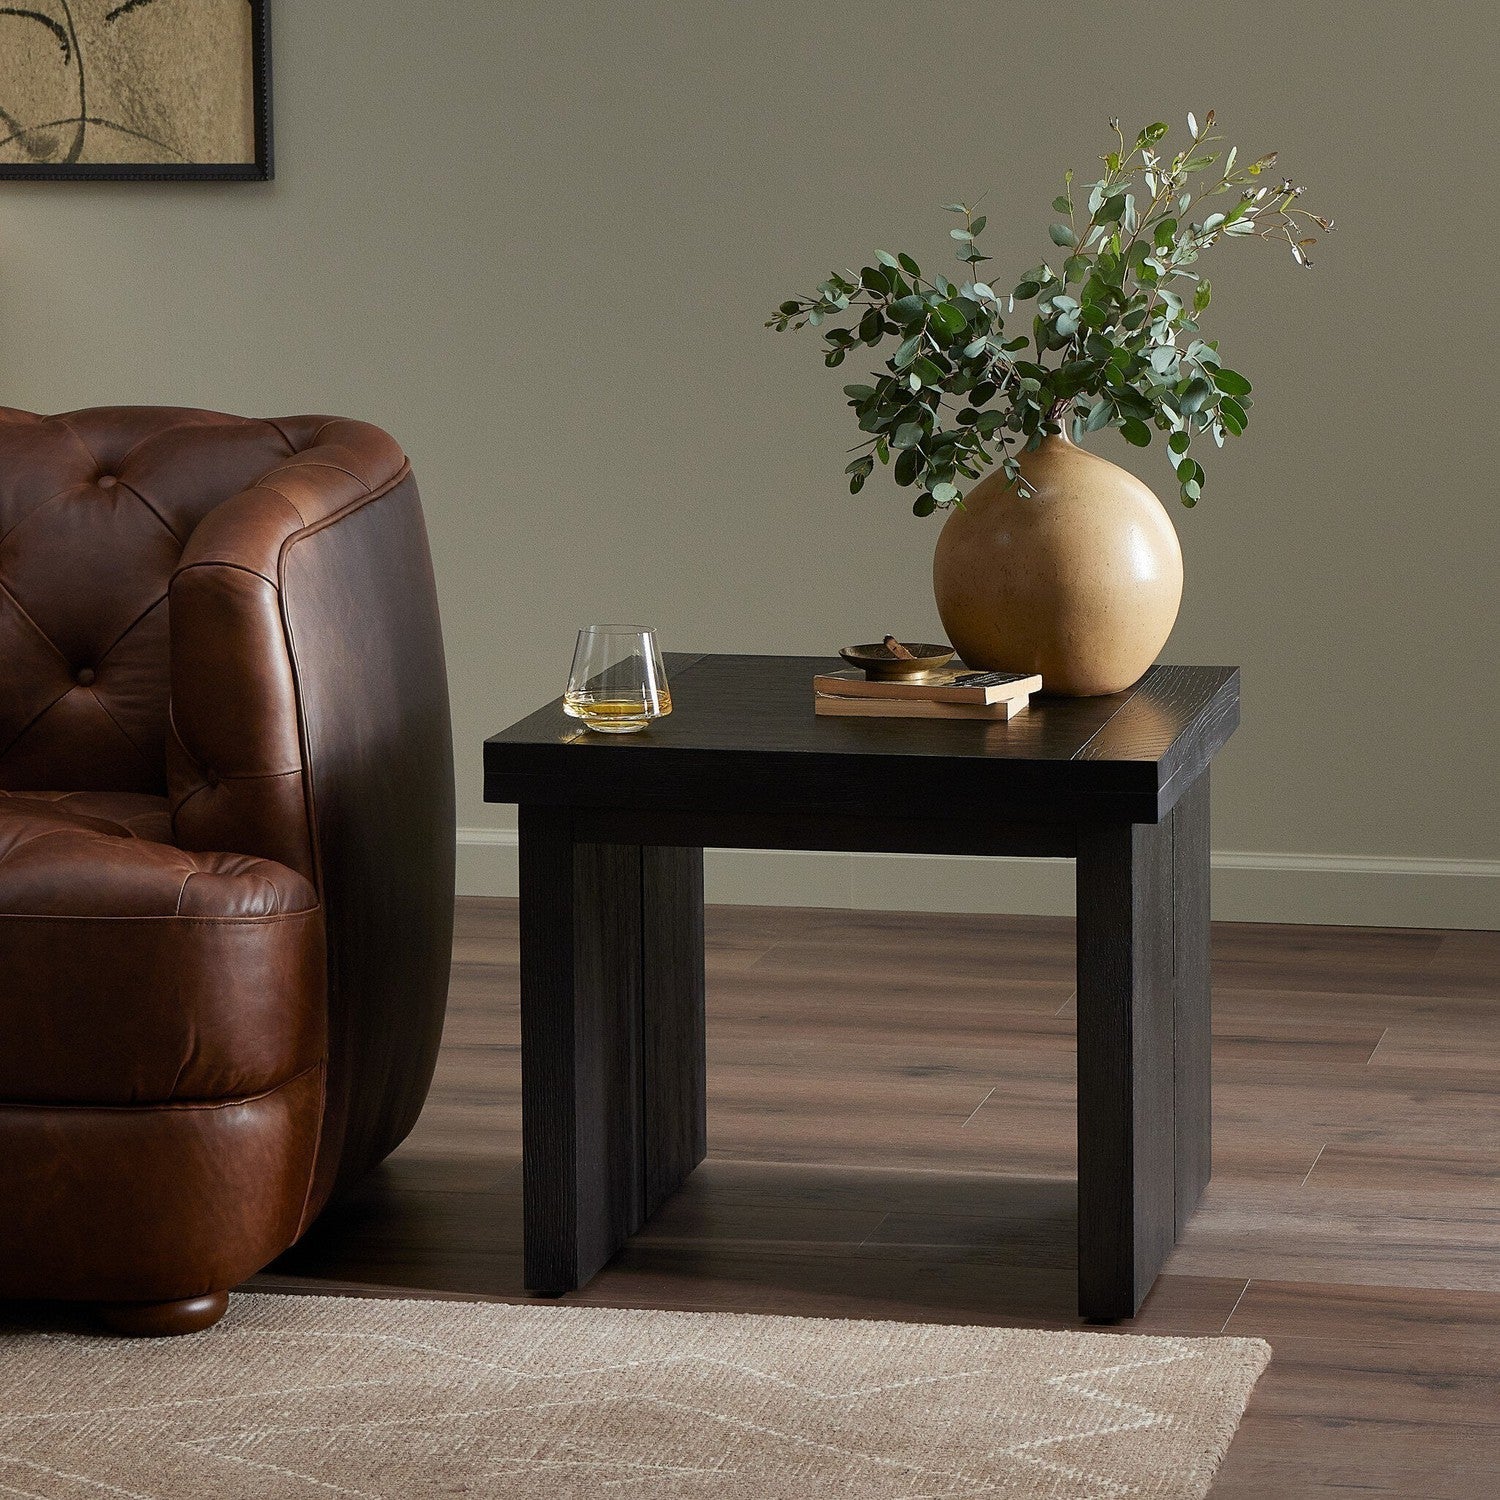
(1249, 886)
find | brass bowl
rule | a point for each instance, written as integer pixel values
(878, 665)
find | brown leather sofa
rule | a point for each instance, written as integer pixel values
(226, 843)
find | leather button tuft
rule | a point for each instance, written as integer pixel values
(107, 481)
(83, 676)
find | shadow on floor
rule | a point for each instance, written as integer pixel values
(740, 1235)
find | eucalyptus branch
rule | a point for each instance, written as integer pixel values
(960, 393)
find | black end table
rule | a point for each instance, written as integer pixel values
(612, 833)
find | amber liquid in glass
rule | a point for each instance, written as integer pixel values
(618, 714)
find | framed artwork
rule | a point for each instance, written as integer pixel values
(135, 89)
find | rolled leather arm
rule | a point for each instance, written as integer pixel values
(311, 726)
(236, 754)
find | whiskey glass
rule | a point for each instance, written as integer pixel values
(618, 684)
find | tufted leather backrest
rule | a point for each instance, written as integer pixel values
(96, 508)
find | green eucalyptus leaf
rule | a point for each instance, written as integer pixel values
(1179, 441)
(1062, 235)
(906, 466)
(1231, 382)
(1136, 431)
(907, 435)
(1195, 395)
(1110, 210)
(947, 320)
(923, 505)
(909, 265)
(945, 493)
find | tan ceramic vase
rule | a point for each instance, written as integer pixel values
(1080, 580)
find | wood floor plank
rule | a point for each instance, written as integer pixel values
(1310, 1234)
(1425, 1045)
(1390, 1316)
(1446, 1178)
(1372, 1391)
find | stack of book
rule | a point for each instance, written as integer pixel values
(956, 694)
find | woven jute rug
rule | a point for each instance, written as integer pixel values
(322, 1396)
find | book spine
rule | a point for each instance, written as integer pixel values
(923, 692)
(841, 706)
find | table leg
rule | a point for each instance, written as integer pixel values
(611, 1040)
(675, 1105)
(1193, 1000)
(1143, 1048)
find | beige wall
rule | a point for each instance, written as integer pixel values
(537, 242)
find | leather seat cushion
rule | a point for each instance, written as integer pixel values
(137, 972)
(109, 854)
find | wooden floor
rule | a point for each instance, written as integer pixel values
(892, 1135)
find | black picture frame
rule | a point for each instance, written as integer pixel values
(262, 169)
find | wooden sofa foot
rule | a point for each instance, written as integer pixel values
(152, 1320)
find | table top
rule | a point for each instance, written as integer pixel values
(743, 732)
